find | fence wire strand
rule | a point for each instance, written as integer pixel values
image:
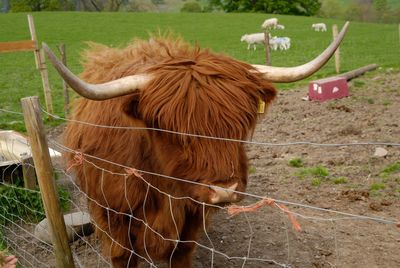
(374, 143)
(22, 230)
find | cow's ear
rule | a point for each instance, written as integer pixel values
(131, 107)
(268, 92)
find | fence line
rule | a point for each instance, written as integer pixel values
(16, 247)
(382, 220)
(214, 252)
(26, 232)
(17, 230)
(11, 112)
(396, 144)
(60, 146)
(243, 258)
(159, 234)
(372, 143)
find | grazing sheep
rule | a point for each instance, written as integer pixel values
(281, 43)
(270, 23)
(253, 39)
(280, 27)
(273, 44)
(319, 27)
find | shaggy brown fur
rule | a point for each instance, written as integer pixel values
(194, 91)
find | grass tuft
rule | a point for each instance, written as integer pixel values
(377, 186)
(316, 182)
(296, 162)
(318, 171)
(358, 83)
(390, 169)
(340, 180)
(252, 170)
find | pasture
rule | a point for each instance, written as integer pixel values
(364, 44)
(314, 181)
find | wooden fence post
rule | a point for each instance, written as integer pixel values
(46, 84)
(40, 60)
(44, 170)
(337, 52)
(267, 48)
(34, 39)
(61, 48)
(28, 171)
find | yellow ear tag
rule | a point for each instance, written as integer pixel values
(261, 106)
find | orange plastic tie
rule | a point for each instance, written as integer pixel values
(234, 210)
(133, 171)
(76, 161)
(291, 216)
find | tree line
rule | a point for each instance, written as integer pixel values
(294, 7)
(359, 10)
(62, 5)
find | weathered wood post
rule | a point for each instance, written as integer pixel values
(28, 171)
(61, 48)
(357, 72)
(267, 48)
(337, 52)
(32, 30)
(46, 84)
(44, 170)
(41, 66)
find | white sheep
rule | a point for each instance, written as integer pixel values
(282, 43)
(319, 27)
(280, 27)
(253, 39)
(270, 23)
(273, 44)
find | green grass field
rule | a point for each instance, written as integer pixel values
(364, 44)
(390, 3)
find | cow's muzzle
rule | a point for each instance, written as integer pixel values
(224, 195)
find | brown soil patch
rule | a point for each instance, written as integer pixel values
(355, 184)
(370, 114)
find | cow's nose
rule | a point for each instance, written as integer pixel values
(223, 195)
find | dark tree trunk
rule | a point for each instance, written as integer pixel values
(6, 6)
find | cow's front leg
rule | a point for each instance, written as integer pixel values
(182, 256)
(121, 257)
(124, 262)
(195, 221)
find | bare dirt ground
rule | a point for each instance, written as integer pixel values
(371, 113)
(355, 183)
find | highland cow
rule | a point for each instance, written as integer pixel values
(164, 84)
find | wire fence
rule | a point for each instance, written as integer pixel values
(263, 231)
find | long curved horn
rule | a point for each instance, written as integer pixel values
(112, 89)
(292, 74)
